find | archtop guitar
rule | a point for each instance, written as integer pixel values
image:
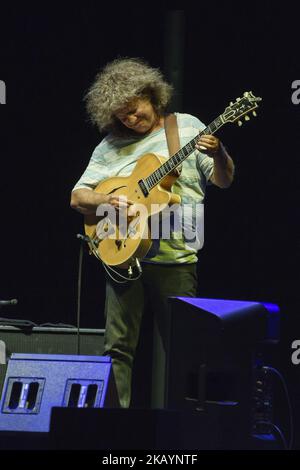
(122, 241)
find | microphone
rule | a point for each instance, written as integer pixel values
(8, 302)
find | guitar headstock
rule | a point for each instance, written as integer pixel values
(241, 107)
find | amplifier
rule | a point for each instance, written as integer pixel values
(47, 340)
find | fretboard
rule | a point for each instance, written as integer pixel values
(176, 160)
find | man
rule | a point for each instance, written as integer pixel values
(128, 100)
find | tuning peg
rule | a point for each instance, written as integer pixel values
(254, 113)
(240, 123)
(238, 99)
(247, 118)
(231, 103)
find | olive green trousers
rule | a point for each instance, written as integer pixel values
(124, 309)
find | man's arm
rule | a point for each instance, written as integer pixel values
(86, 201)
(223, 171)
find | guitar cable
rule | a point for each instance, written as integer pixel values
(108, 268)
(289, 446)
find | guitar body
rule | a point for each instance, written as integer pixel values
(114, 246)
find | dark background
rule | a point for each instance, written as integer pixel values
(49, 55)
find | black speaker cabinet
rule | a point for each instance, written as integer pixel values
(144, 429)
(210, 351)
(42, 340)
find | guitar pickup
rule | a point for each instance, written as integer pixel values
(144, 187)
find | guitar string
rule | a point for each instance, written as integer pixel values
(181, 155)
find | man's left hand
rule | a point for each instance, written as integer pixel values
(210, 145)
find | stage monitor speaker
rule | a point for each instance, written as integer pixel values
(47, 340)
(35, 383)
(210, 352)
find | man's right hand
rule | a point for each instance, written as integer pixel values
(119, 202)
(87, 201)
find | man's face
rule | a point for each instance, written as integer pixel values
(138, 115)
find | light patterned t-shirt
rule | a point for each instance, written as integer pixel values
(118, 156)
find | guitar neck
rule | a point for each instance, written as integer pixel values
(176, 160)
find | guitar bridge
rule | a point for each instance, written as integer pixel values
(144, 187)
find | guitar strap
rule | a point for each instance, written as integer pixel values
(171, 130)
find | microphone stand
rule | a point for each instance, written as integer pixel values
(82, 239)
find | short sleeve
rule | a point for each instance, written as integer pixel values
(204, 163)
(95, 172)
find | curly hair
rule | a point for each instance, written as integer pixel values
(117, 84)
